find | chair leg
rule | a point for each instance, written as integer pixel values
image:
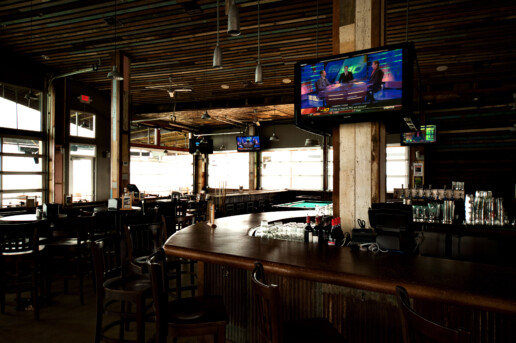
(192, 276)
(35, 298)
(178, 280)
(140, 322)
(98, 324)
(220, 337)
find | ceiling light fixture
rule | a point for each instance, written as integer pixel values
(442, 68)
(258, 76)
(217, 54)
(311, 142)
(274, 138)
(233, 20)
(224, 86)
(115, 75)
(286, 80)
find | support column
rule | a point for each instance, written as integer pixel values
(358, 148)
(120, 129)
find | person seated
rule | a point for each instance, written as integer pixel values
(374, 84)
(346, 76)
(321, 84)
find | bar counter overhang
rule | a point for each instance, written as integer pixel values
(464, 284)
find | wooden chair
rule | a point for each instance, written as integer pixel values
(416, 328)
(117, 290)
(271, 328)
(143, 240)
(175, 265)
(19, 257)
(68, 251)
(195, 316)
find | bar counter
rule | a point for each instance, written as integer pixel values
(323, 272)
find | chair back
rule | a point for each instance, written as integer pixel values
(169, 224)
(156, 263)
(22, 238)
(108, 261)
(144, 239)
(268, 300)
(179, 207)
(417, 329)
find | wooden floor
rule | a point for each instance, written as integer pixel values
(65, 320)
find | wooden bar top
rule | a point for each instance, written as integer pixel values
(482, 286)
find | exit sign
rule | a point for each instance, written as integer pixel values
(85, 99)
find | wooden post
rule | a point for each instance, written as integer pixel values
(358, 148)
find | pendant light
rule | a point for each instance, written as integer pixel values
(274, 138)
(31, 95)
(258, 77)
(217, 54)
(115, 74)
(233, 20)
(205, 115)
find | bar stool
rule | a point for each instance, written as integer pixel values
(117, 290)
(272, 330)
(195, 316)
(416, 328)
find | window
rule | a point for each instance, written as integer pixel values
(397, 169)
(161, 173)
(228, 169)
(22, 146)
(17, 112)
(300, 168)
(82, 172)
(82, 124)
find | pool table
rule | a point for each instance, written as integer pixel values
(301, 205)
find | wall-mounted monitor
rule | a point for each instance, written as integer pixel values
(367, 85)
(248, 143)
(203, 145)
(427, 134)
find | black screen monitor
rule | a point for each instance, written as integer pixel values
(367, 85)
(203, 145)
(248, 143)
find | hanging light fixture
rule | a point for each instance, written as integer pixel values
(205, 115)
(274, 138)
(115, 74)
(233, 20)
(311, 142)
(31, 95)
(217, 54)
(258, 78)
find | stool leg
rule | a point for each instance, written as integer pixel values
(221, 335)
(140, 322)
(98, 324)
(192, 276)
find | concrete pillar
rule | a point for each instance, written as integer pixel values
(358, 148)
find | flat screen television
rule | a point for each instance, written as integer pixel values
(248, 143)
(204, 145)
(367, 85)
(427, 134)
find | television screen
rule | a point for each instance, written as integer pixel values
(367, 85)
(427, 134)
(248, 143)
(204, 145)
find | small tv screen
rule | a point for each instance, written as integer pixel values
(427, 134)
(203, 145)
(367, 85)
(248, 143)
